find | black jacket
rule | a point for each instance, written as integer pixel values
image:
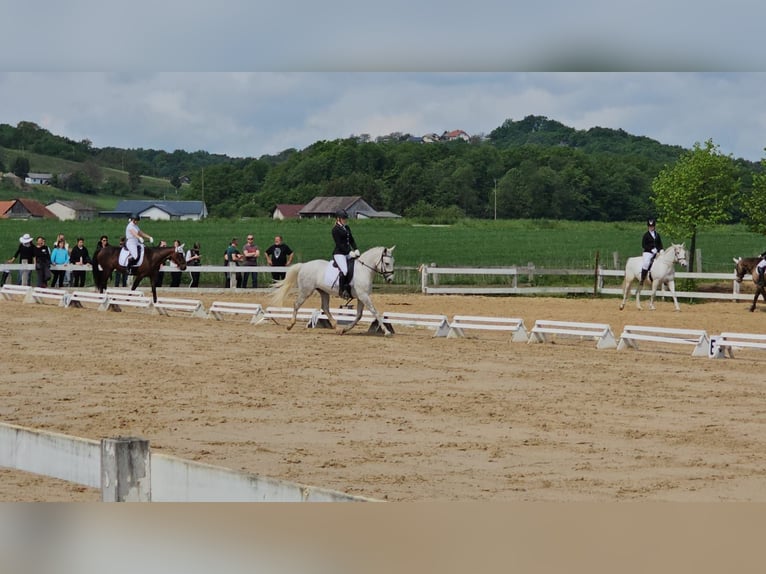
(344, 241)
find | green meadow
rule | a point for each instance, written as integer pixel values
(473, 243)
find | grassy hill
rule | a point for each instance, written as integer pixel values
(150, 187)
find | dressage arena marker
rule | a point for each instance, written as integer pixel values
(720, 344)
(219, 308)
(192, 306)
(633, 333)
(37, 295)
(515, 325)
(9, 291)
(600, 332)
(275, 313)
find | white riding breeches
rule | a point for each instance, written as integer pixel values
(342, 262)
(132, 245)
(647, 255)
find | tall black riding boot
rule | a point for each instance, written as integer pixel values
(760, 276)
(644, 273)
(342, 286)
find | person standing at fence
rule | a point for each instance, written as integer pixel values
(250, 254)
(651, 244)
(175, 274)
(102, 242)
(67, 274)
(233, 257)
(279, 255)
(42, 262)
(59, 257)
(79, 256)
(193, 259)
(26, 254)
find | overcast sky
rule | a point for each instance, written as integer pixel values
(336, 68)
(252, 114)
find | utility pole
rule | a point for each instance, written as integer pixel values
(495, 199)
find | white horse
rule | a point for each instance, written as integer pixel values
(661, 273)
(322, 276)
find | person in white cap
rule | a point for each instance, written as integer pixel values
(134, 236)
(26, 254)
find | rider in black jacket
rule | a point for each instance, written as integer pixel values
(344, 253)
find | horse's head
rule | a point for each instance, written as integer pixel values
(178, 258)
(741, 268)
(679, 255)
(385, 263)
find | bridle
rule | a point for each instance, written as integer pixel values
(380, 266)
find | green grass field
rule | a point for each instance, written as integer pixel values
(551, 244)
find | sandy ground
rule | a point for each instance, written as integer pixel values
(405, 418)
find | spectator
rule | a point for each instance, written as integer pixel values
(120, 278)
(26, 254)
(232, 257)
(279, 255)
(175, 276)
(42, 262)
(250, 252)
(79, 256)
(59, 257)
(102, 242)
(161, 273)
(193, 260)
(67, 275)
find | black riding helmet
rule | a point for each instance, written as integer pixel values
(135, 216)
(341, 214)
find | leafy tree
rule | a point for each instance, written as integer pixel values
(20, 167)
(696, 192)
(754, 203)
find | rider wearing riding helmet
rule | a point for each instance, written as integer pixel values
(344, 253)
(651, 244)
(134, 236)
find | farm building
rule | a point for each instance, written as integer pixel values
(159, 210)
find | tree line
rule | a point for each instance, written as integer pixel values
(533, 168)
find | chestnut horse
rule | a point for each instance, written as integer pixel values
(107, 259)
(745, 266)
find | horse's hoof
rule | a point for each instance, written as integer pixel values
(289, 327)
(622, 307)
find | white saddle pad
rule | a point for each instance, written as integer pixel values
(331, 275)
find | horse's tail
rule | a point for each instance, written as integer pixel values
(284, 286)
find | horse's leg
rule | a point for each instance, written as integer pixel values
(364, 299)
(655, 286)
(359, 311)
(297, 305)
(672, 288)
(325, 306)
(625, 292)
(638, 295)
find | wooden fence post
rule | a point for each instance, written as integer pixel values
(698, 260)
(125, 470)
(615, 260)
